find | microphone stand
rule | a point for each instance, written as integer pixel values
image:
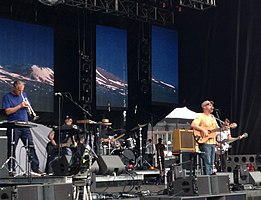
(59, 126)
(221, 124)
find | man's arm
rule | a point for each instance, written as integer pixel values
(50, 136)
(196, 126)
(12, 110)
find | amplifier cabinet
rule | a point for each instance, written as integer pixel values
(183, 140)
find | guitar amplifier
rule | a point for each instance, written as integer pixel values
(183, 140)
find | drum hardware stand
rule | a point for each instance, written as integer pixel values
(84, 188)
(12, 160)
(140, 161)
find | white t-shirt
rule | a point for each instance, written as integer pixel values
(223, 135)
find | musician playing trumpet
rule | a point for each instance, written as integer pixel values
(16, 109)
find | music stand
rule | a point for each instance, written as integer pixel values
(12, 125)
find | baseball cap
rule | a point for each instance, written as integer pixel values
(207, 102)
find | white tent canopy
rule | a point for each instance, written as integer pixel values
(182, 113)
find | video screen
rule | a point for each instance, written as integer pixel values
(111, 67)
(164, 65)
(27, 53)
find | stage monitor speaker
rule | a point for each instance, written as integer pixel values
(229, 174)
(255, 178)
(182, 187)
(25, 192)
(3, 156)
(204, 185)
(183, 140)
(60, 166)
(219, 184)
(95, 167)
(110, 163)
(58, 191)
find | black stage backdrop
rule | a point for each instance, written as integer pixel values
(219, 60)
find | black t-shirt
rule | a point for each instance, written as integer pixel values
(65, 133)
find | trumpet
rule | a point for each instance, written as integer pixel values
(30, 109)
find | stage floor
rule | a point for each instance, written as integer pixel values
(128, 186)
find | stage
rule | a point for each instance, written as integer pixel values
(124, 186)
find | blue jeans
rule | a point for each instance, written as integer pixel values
(25, 135)
(208, 157)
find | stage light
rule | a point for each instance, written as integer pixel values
(50, 2)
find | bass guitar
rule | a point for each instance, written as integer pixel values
(50, 148)
(225, 145)
(201, 138)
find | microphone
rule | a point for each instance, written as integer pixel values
(58, 94)
(215, 109)
(109, 106)
(135, 109)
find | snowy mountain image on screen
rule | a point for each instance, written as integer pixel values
(110, 89)
(39, 83)
(163, 92)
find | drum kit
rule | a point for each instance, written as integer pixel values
(127, 148)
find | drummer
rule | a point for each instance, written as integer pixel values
(106, 136)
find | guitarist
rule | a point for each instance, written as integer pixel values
(68, 142)
(223, 136)
(203, 123)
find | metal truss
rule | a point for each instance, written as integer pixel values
(198, 4)
(136, 10)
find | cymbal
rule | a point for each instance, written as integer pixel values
(86, 121)
(138, 127)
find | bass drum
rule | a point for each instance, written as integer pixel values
(127, 156)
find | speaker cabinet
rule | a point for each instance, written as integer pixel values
(110, 163)
(234, 160)
(255, 178)
(3, 156)
(229, 174)
(204, 185)
(25, 192)
(60, 191)
(219, 184)
(183, 140)
(182, 187)
(212, 185)
(6, 193)
(60, 166)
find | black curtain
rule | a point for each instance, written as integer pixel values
(219, 60)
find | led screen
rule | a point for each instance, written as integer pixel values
(26, 53)
(111, 67)
(164, 65)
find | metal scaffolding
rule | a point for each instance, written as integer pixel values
(135, 10)
(198, 4)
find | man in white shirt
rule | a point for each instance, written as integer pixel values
(222, 147)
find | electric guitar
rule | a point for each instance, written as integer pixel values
(225, 145)
(201, 138)
(50, 147)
